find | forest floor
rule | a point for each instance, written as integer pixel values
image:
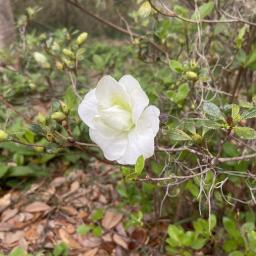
(81, 209)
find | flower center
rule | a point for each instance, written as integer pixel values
(118, 116)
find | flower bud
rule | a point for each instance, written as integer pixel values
(41, 60)
(40, 118)
(68, 53)
(32, 86)
(64, 107)
(39, 149)
(58, 116)
(81, 38)
(3, 135)
(59, 65)
(197, 138)
(191, 75)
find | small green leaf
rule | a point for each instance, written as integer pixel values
(3, 170)
(176, 66)
(246, 133)
(251, 113)
(235, 113)
(18, 252)
(60, 250)
(83, 229)
(139, 166)
(236, 253)
(203, 11)
(198, 243)
(212, 110)
(179, 135)
(97, 215)
(97, 231)
(175, 234)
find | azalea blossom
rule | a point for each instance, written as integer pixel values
(120, 121)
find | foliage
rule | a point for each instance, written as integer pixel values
(201, 74)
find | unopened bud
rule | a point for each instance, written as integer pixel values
(58, 116)
(39, 149)
(64, 107)
(191, 75)
(68, 53)
(59, 65)
(81, 38)
(3, 135)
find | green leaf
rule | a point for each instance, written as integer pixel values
(97, 215)
(246, 133)
(198, 243)
(3, 170)
(179, 135)
(180, 94)
(175, 234)
(251, 60)
(212, 110)
(139, 166)
(203, 11)
(97, 231)
(251, 113)
(18, 252)
(176, 66)
(235, 113)
(83, 229)
(236, 253)
(240, 38)
(231, 228)
(60, 250)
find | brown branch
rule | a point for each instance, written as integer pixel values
(237, 158)
(116, 27)
(174, 15)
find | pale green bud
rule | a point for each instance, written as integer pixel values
(58, 116)
(191, 75)
(81, 38)
(3, 135)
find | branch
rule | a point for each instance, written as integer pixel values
(236, 158)
(175, 15)
(116, 27)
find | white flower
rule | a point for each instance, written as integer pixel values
(120, 121)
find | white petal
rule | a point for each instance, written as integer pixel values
(109, 91)
(139, 99)
(112, 142)
(88, 108)
(117, 118)
(150, 119)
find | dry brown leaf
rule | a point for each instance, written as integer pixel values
(5, 227)
(74, 186)
(65, 237)
(89, 242)
(37, 207)
(57, 182)
(91, 252)
(120, 241)
(69, 210)
(5, 201)
(111, 219)
(8, 214)
(13, 237)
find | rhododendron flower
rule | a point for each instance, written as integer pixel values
(120, 121)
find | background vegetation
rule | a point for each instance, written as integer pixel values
(196, 60)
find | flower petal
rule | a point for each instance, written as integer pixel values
(112, 142)
(109, 91)
(150, 119)
(141, 138)
(139, 99)
(87, 109)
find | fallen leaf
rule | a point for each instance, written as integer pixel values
(37, 207)
(91, 252)
(65, 237)
(5, 201)
(8, 214)
(111, 219)
(120, 241)
(13, 237)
